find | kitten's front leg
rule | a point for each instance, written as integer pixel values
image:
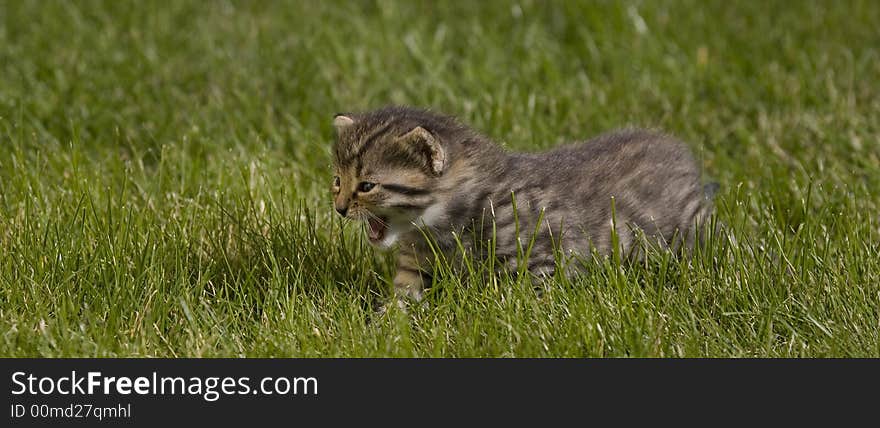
(408, 284)
(408, 281)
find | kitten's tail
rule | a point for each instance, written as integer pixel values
(709, 190)
(707, 207)
(708, 204)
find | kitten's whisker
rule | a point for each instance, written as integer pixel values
(375, 217)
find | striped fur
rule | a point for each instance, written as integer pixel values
(433, 174)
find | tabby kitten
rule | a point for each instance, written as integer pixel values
(405, 172)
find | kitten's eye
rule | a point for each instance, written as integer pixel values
(366, 186)
(336, 181)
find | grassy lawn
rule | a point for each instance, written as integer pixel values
(164, 174)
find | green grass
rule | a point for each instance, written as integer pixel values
(164, 174)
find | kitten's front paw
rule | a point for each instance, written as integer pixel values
(380, 308)
(402, 304)
(392, 304)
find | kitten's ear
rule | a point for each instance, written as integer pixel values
(422, 142)
(342, 122)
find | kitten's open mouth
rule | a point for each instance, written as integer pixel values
(377, 228)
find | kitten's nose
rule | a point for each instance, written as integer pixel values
(342, 210)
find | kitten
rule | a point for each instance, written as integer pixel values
(405, 171)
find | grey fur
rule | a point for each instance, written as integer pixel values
(652, 178)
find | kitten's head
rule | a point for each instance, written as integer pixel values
(386, 166)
